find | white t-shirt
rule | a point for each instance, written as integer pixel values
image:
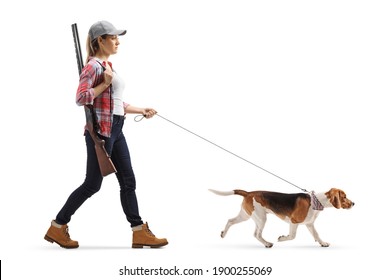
(118, 86)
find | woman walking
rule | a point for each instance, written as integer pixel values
(101, 86)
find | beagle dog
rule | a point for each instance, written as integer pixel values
(295, 209)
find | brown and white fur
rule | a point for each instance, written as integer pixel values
(294, 209)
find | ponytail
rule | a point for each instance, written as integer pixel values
(92, 47)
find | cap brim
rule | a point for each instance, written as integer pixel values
(118, 32)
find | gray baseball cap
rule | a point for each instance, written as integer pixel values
(104, 28)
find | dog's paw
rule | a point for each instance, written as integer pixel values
(223, 234)
(268, 245)
(324, 244)
(283, 238)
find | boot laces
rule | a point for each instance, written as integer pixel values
(66, 232)
(148, 230)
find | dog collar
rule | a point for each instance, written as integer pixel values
(315, 203)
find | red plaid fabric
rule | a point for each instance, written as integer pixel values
(91, 76)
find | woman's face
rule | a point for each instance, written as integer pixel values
(109, 45)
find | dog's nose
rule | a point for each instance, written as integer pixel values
(353, 203)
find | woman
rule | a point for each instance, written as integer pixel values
(101, 86)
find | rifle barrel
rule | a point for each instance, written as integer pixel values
(79, 54)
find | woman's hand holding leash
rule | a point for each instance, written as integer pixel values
(148, 112)
(144, 113)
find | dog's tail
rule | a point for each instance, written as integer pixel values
(239, 192)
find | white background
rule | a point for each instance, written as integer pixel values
(297, 87)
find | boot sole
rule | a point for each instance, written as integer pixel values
(149, 245)
(51, 240)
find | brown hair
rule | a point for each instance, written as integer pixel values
(92, 47)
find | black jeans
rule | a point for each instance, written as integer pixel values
(116, 146)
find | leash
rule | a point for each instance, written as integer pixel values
(139, 118)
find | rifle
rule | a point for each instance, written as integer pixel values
(105, 163)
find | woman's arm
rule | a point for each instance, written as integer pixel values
(107, 80)
(147, 112)
(85, 92)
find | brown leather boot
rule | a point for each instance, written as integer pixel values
(60, 235)
(142, 236)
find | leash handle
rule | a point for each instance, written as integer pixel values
(139, 118)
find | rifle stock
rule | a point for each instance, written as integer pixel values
(105, 163)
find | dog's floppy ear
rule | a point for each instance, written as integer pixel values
(334, 197)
